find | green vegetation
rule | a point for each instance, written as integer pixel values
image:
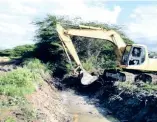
(128, 86)
(22, 81)
(95, 54)
(18, 83)
(24, 51)
(19, 51)
(150, 87)
(132, 87)
(6, 52)
(10, 119)
(39, 70)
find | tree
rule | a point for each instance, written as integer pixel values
(19, 51)
(23, 50)
(98, 53)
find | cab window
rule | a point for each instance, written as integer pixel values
(133, 55)
(137, 56)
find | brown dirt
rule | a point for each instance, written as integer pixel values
(4, 59)
(48, 104)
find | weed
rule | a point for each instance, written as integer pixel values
(23, 81)
(89, 64)
(38, 69)
(14, 85)
(150, 87)
(133, 87)
(17, 82)
(10, 119)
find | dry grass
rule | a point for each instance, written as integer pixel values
(4, 59)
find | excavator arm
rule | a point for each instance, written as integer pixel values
(91, 32)
(67, 43)
(98, 33)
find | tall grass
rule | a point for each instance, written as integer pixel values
(24, 80)
(38, 69)
(17, 83)
(14, 85)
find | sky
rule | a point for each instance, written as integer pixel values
(137, 18)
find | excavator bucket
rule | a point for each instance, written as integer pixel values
(87, 78)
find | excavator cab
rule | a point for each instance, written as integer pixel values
(133, 55)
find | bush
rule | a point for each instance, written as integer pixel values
(6, 52)
(23, 51)
(19, 51)
(38, 69)
(23, 81)
(17, 83)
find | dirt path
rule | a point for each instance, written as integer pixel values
(82, 111)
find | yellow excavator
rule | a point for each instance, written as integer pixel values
(132, 58)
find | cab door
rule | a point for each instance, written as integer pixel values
(126, 54)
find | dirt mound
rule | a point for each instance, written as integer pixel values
(48, 103)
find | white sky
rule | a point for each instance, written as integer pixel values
(16, 17)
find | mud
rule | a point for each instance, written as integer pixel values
(113, 102)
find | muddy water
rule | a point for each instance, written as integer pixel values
(82, 109)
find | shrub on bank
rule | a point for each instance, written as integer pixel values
(24, 80)
(17, 82)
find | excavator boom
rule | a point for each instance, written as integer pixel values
(98, 33)
(91, 32)
(67, 43)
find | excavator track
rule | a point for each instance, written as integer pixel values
(113, 75)
(147, 78)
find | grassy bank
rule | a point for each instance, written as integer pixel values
(18, 83)
(144, 88)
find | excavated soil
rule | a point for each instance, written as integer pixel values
(49, 105)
